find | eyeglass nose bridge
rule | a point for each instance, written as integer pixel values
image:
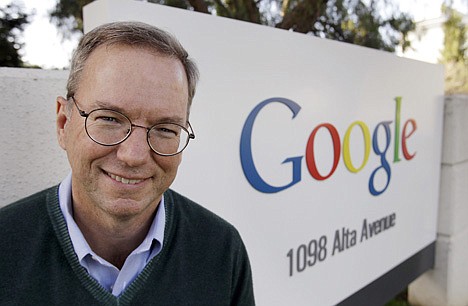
(130, 131)
(136, 125)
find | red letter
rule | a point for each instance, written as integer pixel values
(405, 136)
(310, 155)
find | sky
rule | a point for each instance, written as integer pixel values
(44, 46)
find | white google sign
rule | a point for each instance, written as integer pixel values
(324, 155)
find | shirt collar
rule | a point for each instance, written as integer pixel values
(81, 246)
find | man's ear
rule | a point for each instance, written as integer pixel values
(62, 119)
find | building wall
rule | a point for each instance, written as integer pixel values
(427, 41)
(445, 285)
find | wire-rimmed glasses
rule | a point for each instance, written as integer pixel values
(109, 127)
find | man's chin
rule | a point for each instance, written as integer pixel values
(124, 209)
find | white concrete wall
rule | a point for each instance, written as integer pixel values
(30, 157)
(446, 285)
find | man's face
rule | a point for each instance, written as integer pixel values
(146, 87)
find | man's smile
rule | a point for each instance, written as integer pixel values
(130, 181)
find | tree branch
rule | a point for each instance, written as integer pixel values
(302, 17)
(199, 6)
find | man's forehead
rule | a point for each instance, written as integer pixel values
(128, 53)
(129, 109)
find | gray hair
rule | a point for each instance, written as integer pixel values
(132, 34)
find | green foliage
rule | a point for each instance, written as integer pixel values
(68, 16)
(454, 53)
(456, 77)
(455, 36)
(359, 23)
(12, 22)
(350, 21)
(301, 15)
(400, 300)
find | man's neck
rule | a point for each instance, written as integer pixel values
(110, 238)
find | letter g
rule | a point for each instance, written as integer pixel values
(247, 162)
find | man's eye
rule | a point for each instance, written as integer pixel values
(107, 119)
(167, 131)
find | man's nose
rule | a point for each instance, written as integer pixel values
(135, 151)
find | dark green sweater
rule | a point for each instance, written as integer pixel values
(203, 260)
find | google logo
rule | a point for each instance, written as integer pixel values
(339, 148)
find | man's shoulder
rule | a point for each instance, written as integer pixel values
(189, 212)
(28, 208)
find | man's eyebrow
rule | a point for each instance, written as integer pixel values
(170, 119)
(103, 104)
(164, 119)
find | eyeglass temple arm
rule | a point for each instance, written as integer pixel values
(82, 112)
(192, 133)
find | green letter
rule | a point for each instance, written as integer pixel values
(396, 157)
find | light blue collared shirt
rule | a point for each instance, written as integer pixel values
(105, 273)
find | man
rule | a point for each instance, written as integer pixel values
(113, 233)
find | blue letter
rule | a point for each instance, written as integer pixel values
(383, 160)
(247, 162)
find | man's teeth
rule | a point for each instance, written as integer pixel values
(124, 180)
